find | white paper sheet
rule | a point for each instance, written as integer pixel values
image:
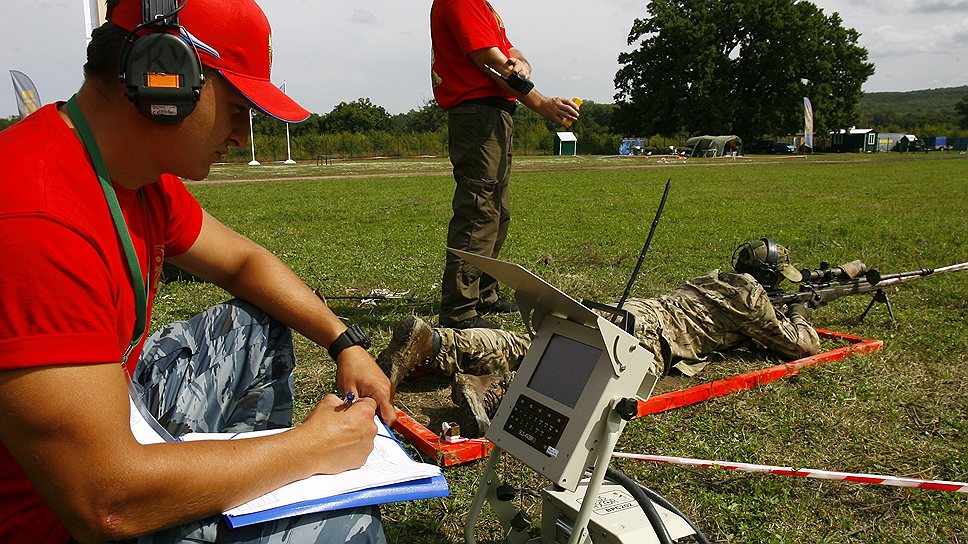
(142, 431)
(387, 464)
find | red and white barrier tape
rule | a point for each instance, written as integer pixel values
(876, 479)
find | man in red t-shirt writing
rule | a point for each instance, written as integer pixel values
(473, 60)
(90, 208)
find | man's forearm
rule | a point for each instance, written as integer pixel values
(553, 109)
(267, 282)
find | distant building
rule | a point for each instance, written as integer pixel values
(853, 140)
(910, 143)
(566, 143)
(890, 141)
(714, 146)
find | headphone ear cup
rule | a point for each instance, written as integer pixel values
(769, 276)
(163, 76)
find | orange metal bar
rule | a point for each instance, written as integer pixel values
(449, 454)
(719, 388)
(444, 453)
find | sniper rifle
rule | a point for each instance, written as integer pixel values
(824, 284)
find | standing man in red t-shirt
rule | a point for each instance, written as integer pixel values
(91, 205)
(469, 46)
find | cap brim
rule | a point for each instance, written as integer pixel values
(267, 98)
(790, 273)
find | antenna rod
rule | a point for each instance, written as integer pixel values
(645, 248)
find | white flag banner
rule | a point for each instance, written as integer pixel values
(28, 100)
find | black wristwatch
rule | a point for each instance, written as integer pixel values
(353, 336)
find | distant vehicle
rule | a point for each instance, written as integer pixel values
(766, 147)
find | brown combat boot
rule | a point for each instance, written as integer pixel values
(414, 344)
(477, 399)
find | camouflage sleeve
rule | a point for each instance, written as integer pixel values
(793, 338)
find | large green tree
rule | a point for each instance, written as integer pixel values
(738, 67)
(9, 121)
(360, 115)
(427, 118)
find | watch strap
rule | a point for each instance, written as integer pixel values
(352, 336)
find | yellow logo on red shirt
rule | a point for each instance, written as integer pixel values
(157, 265)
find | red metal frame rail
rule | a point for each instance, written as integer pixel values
(454, 453)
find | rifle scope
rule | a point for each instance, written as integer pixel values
(825, 273)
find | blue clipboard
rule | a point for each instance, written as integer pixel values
(422, 488)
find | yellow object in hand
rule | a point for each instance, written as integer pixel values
(568, 122)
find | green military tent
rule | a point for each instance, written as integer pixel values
(714, 146)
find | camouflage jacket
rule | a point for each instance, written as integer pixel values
(716, 312)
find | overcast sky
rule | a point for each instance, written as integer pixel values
(331, 52)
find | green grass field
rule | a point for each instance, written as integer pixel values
(580, 223)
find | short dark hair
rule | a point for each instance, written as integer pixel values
(104, 53)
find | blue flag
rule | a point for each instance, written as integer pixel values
(28, 101)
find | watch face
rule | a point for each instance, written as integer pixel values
(362, 339)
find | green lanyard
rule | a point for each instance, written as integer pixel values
(140, 289)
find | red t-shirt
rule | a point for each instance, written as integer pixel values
(459, 27)
(65, 292)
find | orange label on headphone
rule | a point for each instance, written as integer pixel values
(155, 79)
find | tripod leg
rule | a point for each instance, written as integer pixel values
(890, 310)
(869, 306)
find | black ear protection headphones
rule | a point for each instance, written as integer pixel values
(161, 70)
(765, 272)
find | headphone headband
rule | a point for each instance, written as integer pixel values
(772, 258)
(163, 12)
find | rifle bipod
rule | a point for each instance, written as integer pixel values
(879, 296)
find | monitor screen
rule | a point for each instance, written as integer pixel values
(563, 369)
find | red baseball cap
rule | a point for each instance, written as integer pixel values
(231, 37)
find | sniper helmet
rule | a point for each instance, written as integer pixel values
(766, 261)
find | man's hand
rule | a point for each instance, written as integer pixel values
(519, 66)
(555, 109)
(358, 373)
(343, 433)
(799, 309)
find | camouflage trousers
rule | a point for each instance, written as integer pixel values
(229, 369)
(495, 351)
(479, 351)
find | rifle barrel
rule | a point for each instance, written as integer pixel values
(951, 268)
(892, 279)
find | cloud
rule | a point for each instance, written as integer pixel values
(941, 6)
(925, 7)
(941, 39)
(363, 17)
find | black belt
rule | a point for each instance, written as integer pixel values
(493, 101)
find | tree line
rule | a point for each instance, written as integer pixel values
(363, 129)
